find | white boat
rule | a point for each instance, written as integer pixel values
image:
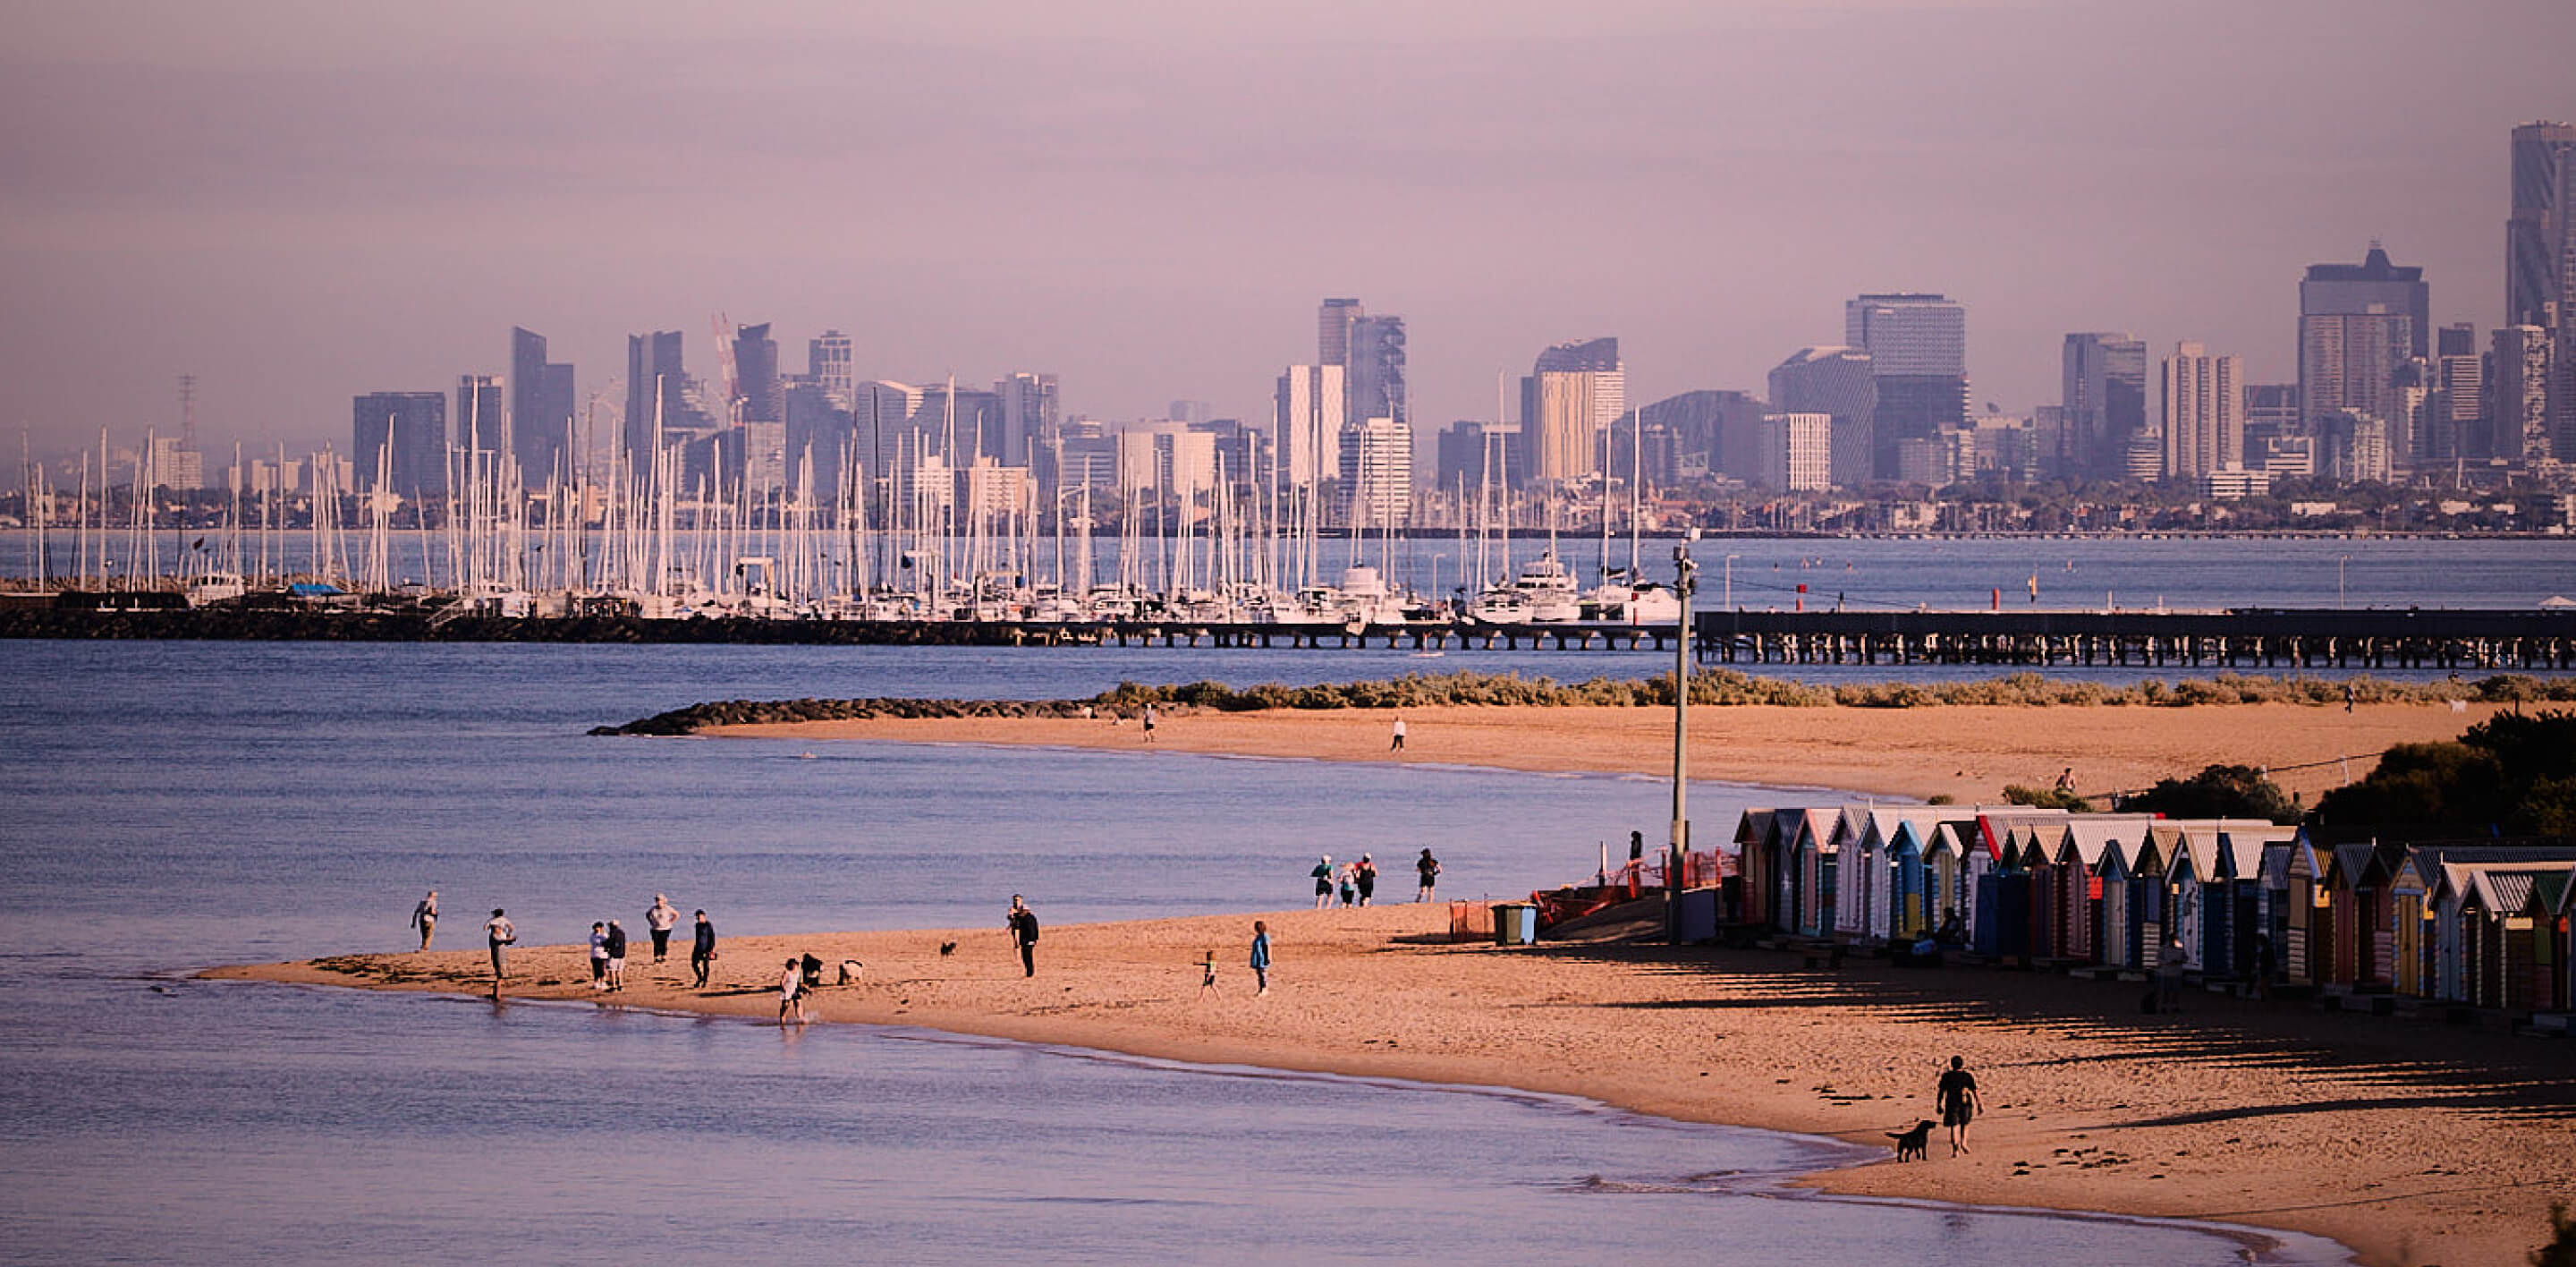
(1549, 587)
(216, 587)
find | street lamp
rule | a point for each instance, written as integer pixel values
(1730, 580)
(1683, 571)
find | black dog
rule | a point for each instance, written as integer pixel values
(1910, 1142)
(947, 948)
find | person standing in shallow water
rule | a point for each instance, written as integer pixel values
(425, 917)
(1023, 924)
(660, 918)
(1428, 868)
(501, 935)
(1959, 1103)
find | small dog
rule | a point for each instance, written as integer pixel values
(1910, 1142)
(850, 970)
(947, 948)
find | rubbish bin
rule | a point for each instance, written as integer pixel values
(1515, 924)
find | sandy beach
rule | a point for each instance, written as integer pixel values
(1967, 752)
(2415, 1143)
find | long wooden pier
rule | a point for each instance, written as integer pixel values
(2428, 638)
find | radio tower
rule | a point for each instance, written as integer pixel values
(188, 412)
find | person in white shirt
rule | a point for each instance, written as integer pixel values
(660, 918)
(501, 934)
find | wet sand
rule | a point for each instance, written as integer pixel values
(1967, 752)
(2413, 1142)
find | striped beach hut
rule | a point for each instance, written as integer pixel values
(1808, 871)
(1855, 876)
(2070, 879)
(2356, 891)
(1753, 866)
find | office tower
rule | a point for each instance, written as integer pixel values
(1574, 391)
(403, 436)
(755, 371)
(1837, 382)
(1030, 405)
(1690, 436)
(2518, 374)
(880, 439)
(1377, 474)
(1308, 409)
(2103, 387)
(1333, 331)
(2539, 244)
(817, 439)
(2358, 325)
(1918, 352)
(540, 421)
(1474, 454)
(656, 393)
(2353, 447)
(2203, 412)
(1374, 382)
(480, 413)
(1797, 452)
(2458, 408)
(828, 362)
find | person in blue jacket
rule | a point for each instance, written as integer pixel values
(1261, 956)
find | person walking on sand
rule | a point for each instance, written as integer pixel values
(616, 945)
(791, 993)
(1207, 975)
(1366, 874)
(1023, 924)
(1149, 723)
(498, 930)
(598, 955)
(1428, 868)
(1260, 957)
(1349, 886)
(1959, 1103)
(1398, 744)
(425, 917)
(702, 949)
(2065, 782)
(1323, 874)
(659, 919)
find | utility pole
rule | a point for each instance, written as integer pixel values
(1683, 571)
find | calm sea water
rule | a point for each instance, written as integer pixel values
(170, 805)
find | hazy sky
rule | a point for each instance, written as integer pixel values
(300, 200)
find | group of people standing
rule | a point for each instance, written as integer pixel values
(607, 941)
(1356, 882)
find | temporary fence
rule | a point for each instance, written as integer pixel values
(1471, 921)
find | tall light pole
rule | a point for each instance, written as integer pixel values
(1683, 570)
(1730, 580)
(2340, 560)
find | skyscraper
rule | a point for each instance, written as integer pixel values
(2458, 413)
(1574, 392)
(1796, 452)
(2203, 412)
(402, 435)
(655, 381)
(1836, 382)
(1377, 474)
(828, 364)
(2358, 325)
(1375, 380)
(2104, 389)
(2538, 239)
(1308, 410)
(480, 414)
(1333, 331)
(1030, 415)
(755, 369)
(1918, 352)
(540, 424)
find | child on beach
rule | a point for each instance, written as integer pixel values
(1207, 978)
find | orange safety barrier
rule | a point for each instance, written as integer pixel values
(1471, 921)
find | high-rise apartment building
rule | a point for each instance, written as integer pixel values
(1476, 455)
(2103, 386)
(2518, 378)
(1573, 394)
(481, 415)
(541, 405)
(2203, 412)
(1918, 352)
(1796, 452)
(829, 364)
(1839, 383)
(657, 387)
(1377, 474)
(403, 436)
(1308, 410)
(2457, 415)
(2538, 240)
(755, 369)
(2353, 447)
(2358, 326)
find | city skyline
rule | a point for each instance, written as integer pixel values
(383, 240)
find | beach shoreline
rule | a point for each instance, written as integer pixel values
(2389, 1137)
